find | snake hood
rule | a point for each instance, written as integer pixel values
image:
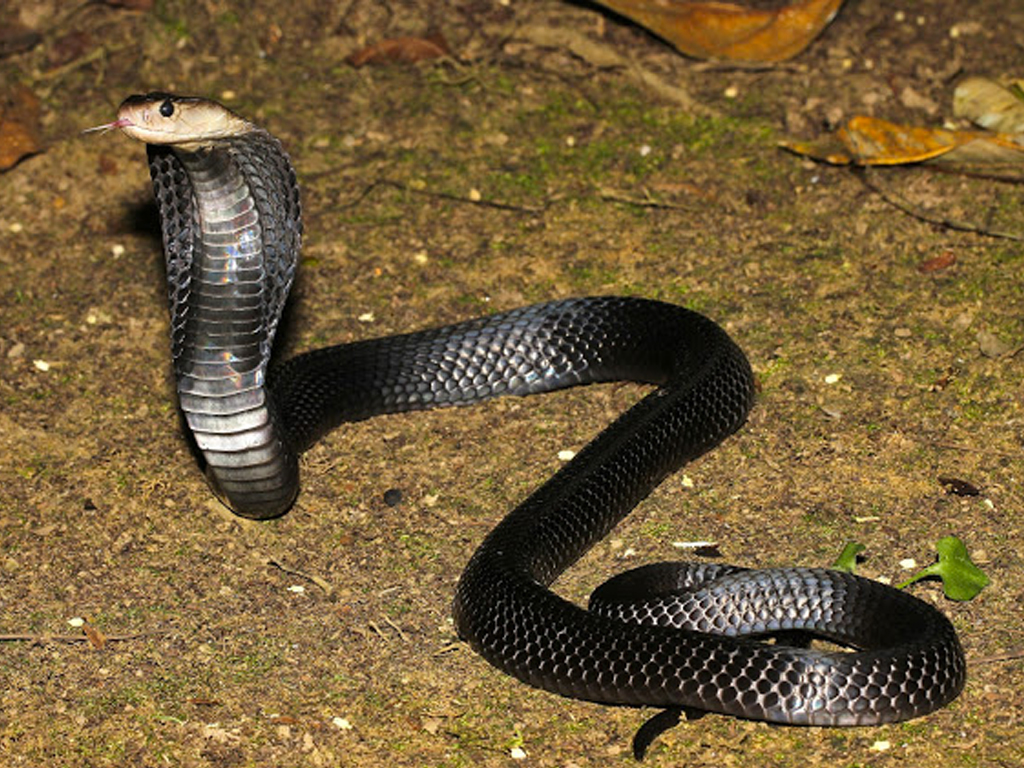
(187, 122)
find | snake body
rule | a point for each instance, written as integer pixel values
(231, 223)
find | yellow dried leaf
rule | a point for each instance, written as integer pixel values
(712, 30)
(872, 141)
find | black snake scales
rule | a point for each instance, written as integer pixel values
(229, 207)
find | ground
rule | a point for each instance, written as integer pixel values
(562, 151)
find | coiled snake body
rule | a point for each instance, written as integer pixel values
(229, 208)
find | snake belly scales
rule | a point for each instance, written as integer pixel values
(668, 635)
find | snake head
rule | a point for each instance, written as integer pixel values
(187, 122)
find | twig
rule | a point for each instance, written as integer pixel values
(746, 66)
(604, 56)
(447, 196)
(1008, 656)
(970, 449)
(48, 638)
(318, 580)
(647, 201)
(899, 202)
(397, 629)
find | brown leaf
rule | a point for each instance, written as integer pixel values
(97, 638)
(15, 38)
(401, 50)
(19, 126)
(713, 30)
(944, 260)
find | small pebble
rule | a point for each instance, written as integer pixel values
(393, 497)
(517, 753)
(566, 455)
(342, 723)
(77, 621)
(297, 589)
(908, 563)
(832, 378)
(41, 365)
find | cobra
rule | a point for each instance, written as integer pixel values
(668, 635)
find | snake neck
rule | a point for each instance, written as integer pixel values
(231, 238)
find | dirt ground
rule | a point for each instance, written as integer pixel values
(562, 151)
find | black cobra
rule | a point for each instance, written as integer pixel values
(229, 207)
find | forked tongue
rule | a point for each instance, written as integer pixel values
(121, 122)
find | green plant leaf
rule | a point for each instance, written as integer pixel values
(961, 578)
(847, 560)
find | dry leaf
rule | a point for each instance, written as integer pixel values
(725, 31)
(15, 38)
(19, 126)
(872, 141)
(97, 638)
(988, 104)
(944, 260)
(401, 50)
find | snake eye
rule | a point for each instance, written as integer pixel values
(167, 108)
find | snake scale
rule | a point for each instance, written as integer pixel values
(670, 635)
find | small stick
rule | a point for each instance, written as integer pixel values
(901, 203)
(47, 638)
